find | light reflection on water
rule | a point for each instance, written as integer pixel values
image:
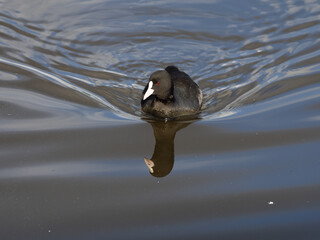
(73, 143)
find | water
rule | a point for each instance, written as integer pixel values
(74, 145)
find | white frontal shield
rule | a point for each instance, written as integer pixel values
(149, 91)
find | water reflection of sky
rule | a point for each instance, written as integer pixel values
(72, 144)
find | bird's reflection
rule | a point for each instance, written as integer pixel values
(162, 160)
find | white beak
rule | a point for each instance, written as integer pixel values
(149, 91)
(150, 164)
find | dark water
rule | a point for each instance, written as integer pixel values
(73, 146)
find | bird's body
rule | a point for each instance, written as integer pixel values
(171, 93)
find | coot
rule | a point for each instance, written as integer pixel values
(171, 93)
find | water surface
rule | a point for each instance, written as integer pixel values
(74, 143)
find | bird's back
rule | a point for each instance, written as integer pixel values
(187, 94)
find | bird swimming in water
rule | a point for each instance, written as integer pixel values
(171, 93)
